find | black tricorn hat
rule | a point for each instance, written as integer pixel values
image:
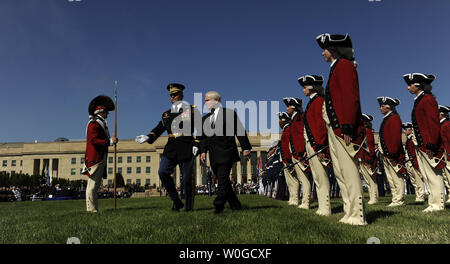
(101, 102)
(309, 80)
(444, 109)
(283, 116)
(384, 100)
(174, 88)
(334, 40)
(367, 118)
(291, 101)
(421, 78)
(407, 125)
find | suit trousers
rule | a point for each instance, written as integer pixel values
(396, 182)
(93, 183)
(435, 180)
(373, 186)
(320, 176)
(305, 185)
(166, 168)
(416, 181)
(293, 186)
(225, 192)
(347, 175)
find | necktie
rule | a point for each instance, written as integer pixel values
(212, 121)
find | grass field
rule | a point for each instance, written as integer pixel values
(262, 221)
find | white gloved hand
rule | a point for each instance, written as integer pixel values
(141, 139)
(194, 150)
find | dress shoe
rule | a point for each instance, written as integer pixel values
(177, 205)
(219, 209)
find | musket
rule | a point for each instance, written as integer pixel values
(115, 145)
(307, 158)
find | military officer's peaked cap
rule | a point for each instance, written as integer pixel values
(384, 100)
(367, 117)
(174, 88)
(283, 116)
(309, 80)
(100, 104)
(444, 109)
(291, 101)
(407, 125)
(334, 40)
(420, 78)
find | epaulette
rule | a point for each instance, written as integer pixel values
(166, 114)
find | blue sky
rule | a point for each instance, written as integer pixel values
(57, 55)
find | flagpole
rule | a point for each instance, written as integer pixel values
(115, 145)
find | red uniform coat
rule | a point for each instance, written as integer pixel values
(286, 155)
(314, 125)
(370, 157)
(342, 101)
(425, 120)
(445, 135)
(97, 142)
(412, 155)
(391, 138)
(297, 138)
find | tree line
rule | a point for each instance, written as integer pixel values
(32, 181)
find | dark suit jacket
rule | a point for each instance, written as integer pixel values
(219, 139)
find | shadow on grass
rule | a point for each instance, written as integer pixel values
(132, 208)
(337, 209)
(244, 208)
(373, 215)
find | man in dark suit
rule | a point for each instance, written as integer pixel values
(220, 127)
(181, 147)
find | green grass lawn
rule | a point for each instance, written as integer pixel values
(262, 221)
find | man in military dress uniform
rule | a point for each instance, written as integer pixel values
(411, 164)
(297, 147)
(181, 147)
(286, 155)
(426, 127)
(445, 135)
(368, 161)
(97, 142)
(343, 119)
(315, 134)
(391, 148)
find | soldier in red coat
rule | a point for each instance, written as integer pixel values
(445, 135)
(425, 120)
(411, 164)
(368, 161)
(343, 120)
(97, 142)
(315, 134)
(298, 150)
(391, 148)
(286, 155)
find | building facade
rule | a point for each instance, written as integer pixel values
(138, 163)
